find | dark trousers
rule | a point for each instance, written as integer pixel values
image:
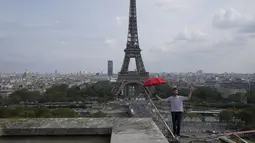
(176, 120)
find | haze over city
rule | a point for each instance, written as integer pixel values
(175, 35)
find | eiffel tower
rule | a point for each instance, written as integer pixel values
(131, 80)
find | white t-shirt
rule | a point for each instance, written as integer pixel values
(176, 102)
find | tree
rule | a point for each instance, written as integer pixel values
(16, 111)
(237, 98)
(27, 114)
(101, 91)
(23, 95)
(246, 116)
(252, 109)
(63, 112)
(225, 116)
(74, 94)
(58, 89)
(57, 93)
(184, 91)
(250, 97)
(5, 112)
(43, 112)
(1, 100)
(164, 90)
(206, 93)
(54, 97)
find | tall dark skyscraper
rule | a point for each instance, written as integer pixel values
(110, 68)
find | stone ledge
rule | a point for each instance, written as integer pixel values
(124, 130)
(55, 131)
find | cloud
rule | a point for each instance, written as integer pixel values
(186, 41)
(121, 19)
(229, 53)
(203, 44)
(250, 28)
(110, 42)
(63, 42)
(231, 18)
(191, 35)
(41, 25)
(168, 5)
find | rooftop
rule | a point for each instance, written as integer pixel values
(124, 130)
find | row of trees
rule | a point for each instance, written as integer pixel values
(199, 94)
(100, 91)
(243, 117)
(43, 112)
(208, 94)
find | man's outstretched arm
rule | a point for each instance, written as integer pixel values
(161, 99)
(184, 98)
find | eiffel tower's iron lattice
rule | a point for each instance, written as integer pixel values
(128, 78)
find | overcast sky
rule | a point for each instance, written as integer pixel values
(81, 35)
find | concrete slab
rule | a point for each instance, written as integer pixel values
(122, 130)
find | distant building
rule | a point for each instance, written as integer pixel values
(110, 68)
(25, 75)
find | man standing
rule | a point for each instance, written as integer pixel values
(176, 109)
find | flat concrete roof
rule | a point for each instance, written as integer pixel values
(122, 130)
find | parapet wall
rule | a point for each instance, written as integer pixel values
(122, 130)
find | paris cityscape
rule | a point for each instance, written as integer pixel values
(44, 97)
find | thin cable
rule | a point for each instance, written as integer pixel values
(240, 138)
(148, 94)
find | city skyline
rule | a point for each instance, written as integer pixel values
(175, 36)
